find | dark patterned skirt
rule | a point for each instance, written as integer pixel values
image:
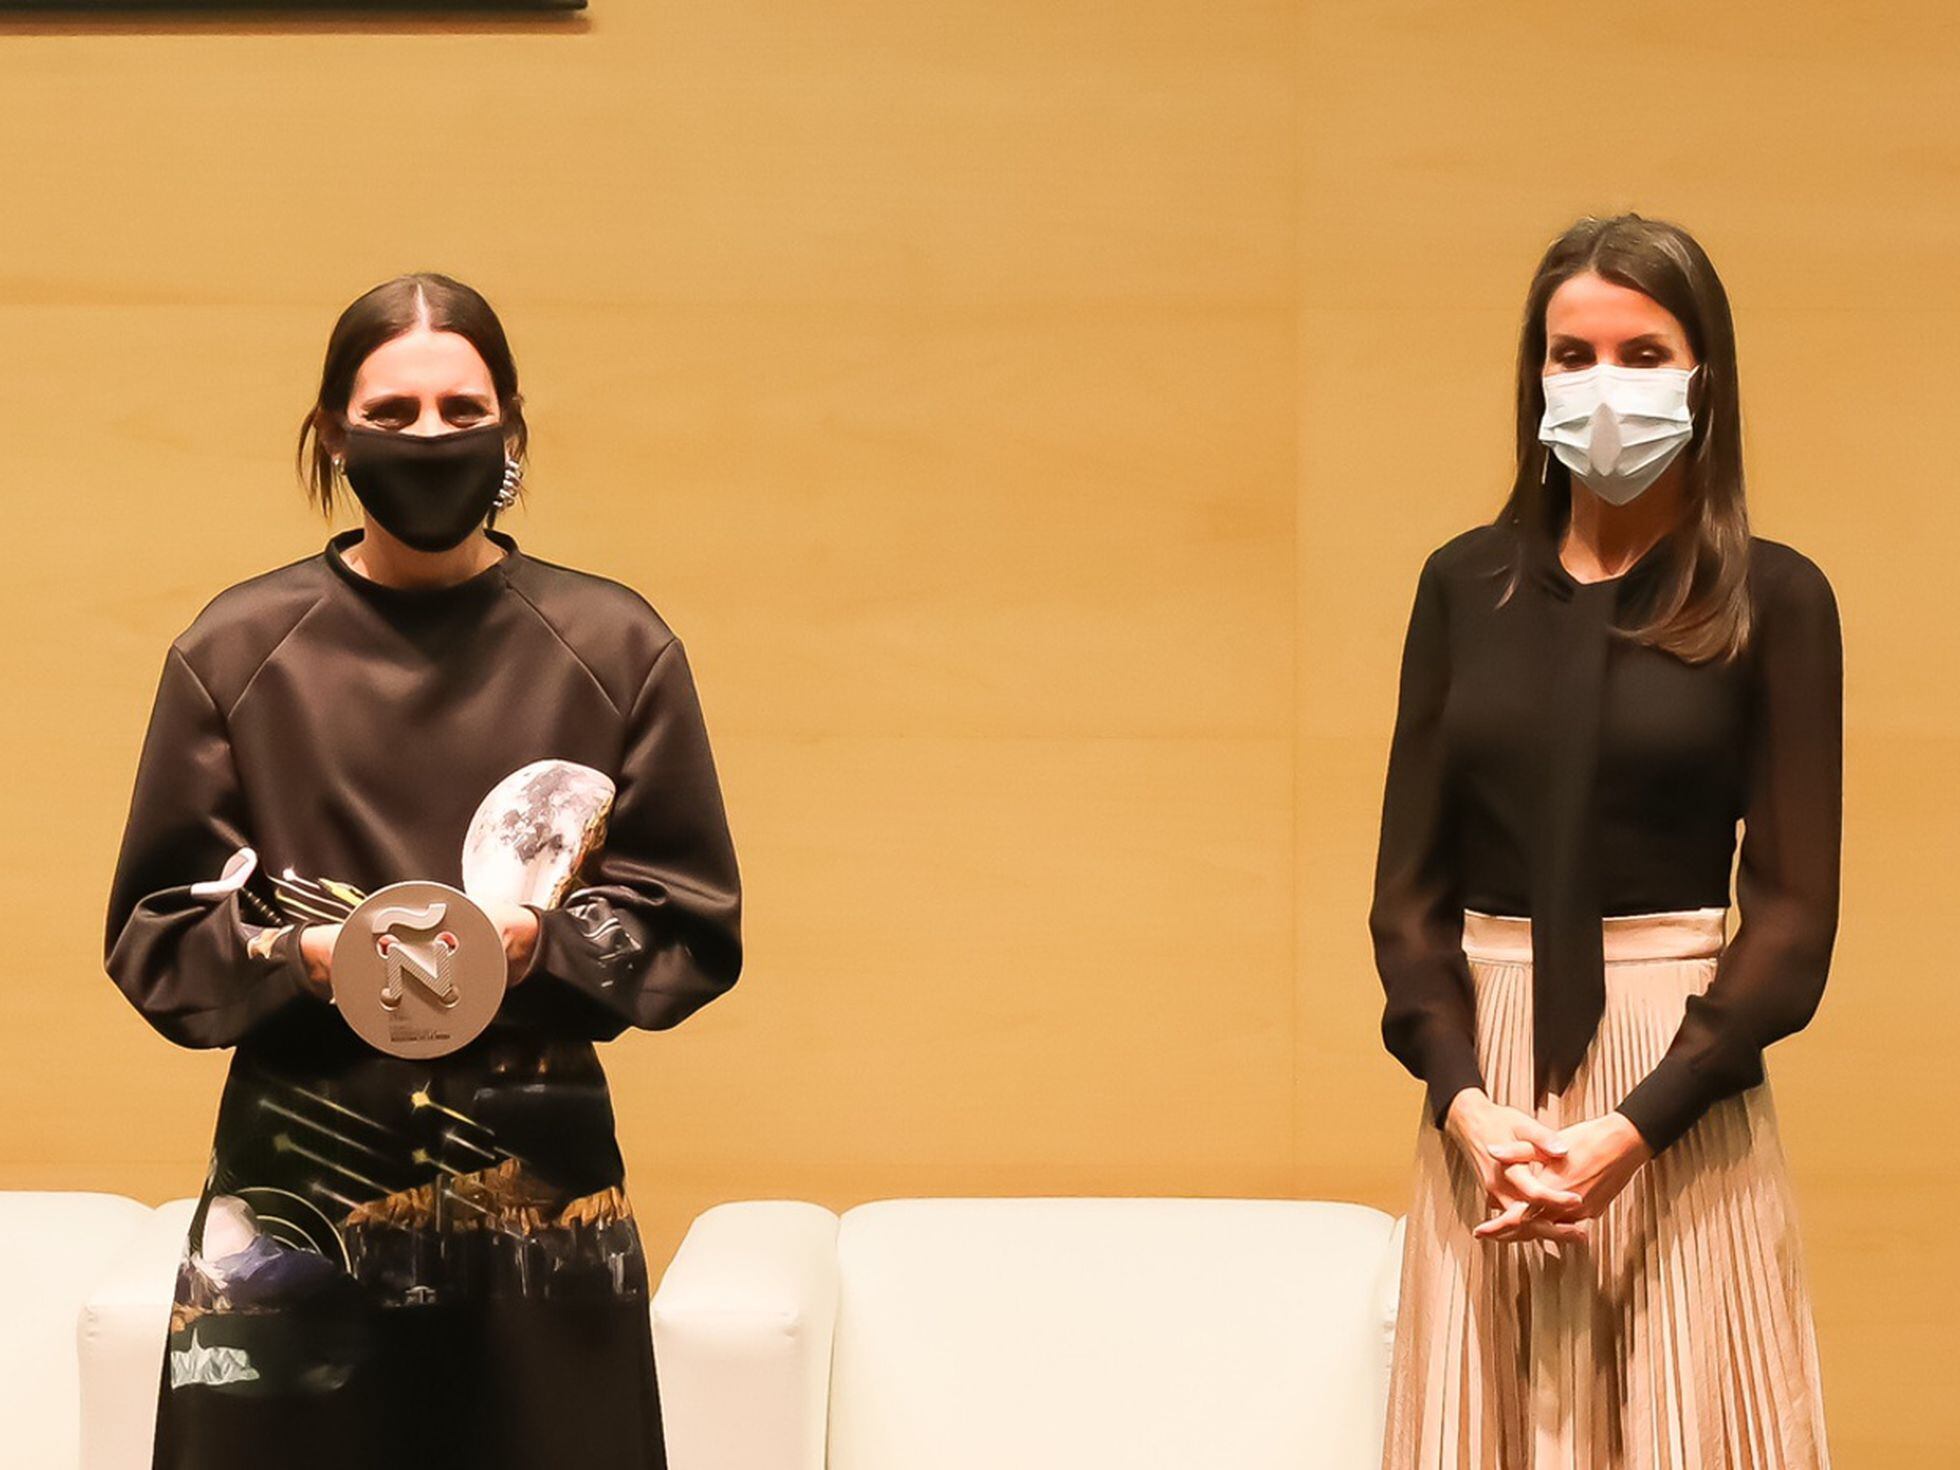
(401, 1263)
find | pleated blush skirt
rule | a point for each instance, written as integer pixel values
(1680, 1337)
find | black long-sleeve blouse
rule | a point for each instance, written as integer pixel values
(1541, 767)
(384, 1212)
(346, 730)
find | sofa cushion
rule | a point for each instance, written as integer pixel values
(1052, 1334)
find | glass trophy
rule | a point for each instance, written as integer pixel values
(419, 969)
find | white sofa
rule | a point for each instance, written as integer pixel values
(1046, 1334)
(57, 1246)
(121, 1334)
(931, 1334)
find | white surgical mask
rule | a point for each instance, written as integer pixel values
(1617, 428)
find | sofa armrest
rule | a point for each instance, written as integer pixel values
(742, 1326)
(120, 1337)
(56, 1243)
(1388, 1299)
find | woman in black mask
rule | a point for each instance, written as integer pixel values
(404, 1255)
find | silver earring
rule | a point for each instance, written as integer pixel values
(513, 477)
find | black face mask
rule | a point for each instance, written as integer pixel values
(427, 490)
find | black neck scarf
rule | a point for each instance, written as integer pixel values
(1568, 963)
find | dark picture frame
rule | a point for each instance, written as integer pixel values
(268, 9)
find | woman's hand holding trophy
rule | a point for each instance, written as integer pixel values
(419, 968)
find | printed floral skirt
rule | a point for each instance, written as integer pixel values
(413, 1263)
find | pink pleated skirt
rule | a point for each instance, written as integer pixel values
(1680, 1337)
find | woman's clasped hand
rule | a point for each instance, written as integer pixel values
(1543, 1183)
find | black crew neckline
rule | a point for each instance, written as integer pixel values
(1552, 568)
(477, 586)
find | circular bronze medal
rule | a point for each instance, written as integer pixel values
(418, 969)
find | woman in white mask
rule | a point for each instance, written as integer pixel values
(1603, 1262)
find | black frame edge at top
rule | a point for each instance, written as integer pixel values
(268, 8)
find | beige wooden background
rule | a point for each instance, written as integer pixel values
(1032, 414)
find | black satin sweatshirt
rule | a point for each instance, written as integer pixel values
(397, 1261)
(1542, 766)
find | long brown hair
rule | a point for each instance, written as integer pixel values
(379, 315)
(1700, 609)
